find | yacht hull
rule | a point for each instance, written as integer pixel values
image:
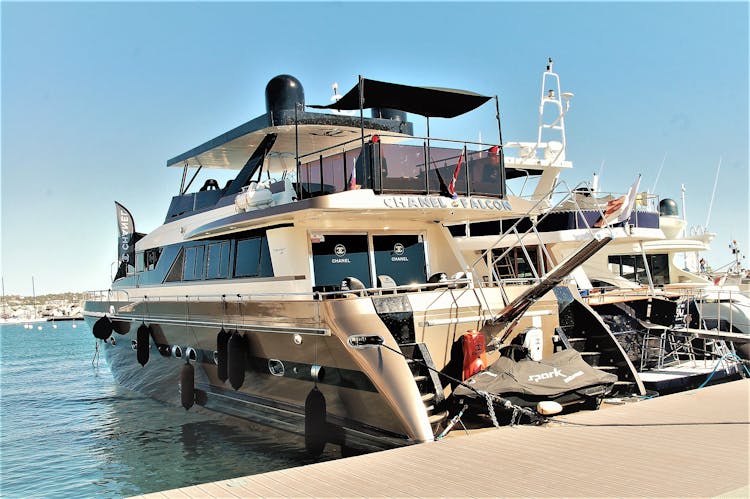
(373, 400)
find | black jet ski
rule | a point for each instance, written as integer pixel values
(564, 377)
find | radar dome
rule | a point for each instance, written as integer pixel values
(668, 208)
(282, 93)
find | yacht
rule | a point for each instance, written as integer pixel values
(320, 289)
(635, 284)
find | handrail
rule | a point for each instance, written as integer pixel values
(314, 295)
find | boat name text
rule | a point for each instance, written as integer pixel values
(442, 202)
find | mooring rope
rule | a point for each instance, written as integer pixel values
(95, 360)
(489, 397)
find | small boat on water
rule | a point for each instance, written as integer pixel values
(320, 290)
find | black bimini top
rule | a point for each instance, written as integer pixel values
(425, 101)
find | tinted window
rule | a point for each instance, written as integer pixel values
(247, 257)
(400, 257)
(217, 261)
(336, 257)
(193, 268)
(139, 262)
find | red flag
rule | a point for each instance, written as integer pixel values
(452, 186)
(613, 206)
(618, 210)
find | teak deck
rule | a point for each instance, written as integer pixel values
(688, 444)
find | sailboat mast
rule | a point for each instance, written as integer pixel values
(33, 295)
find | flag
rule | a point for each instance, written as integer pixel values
(452, 186)
(353, 178)
(619, 209)
(125, 235)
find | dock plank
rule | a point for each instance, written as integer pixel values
(687, 444)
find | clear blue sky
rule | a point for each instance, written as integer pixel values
(97, 96)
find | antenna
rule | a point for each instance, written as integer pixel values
(658, 174)
(716, 181)
(335, 97)
(560, 100)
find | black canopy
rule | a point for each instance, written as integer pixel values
(425, 101)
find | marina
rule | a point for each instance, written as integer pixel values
(374, 250)
(637, 449)
(282, 298)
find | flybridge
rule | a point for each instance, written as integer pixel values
(307, 154)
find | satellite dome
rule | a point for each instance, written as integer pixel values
(282, 93)
(668, 208)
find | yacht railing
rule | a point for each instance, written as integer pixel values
(461, 281)
(393, 164)
(513, 238)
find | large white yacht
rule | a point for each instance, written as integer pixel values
(320, 290)
(643, 282)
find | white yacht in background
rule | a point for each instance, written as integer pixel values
(640, 279)
(320, 290)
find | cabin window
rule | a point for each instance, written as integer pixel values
(336, 257)
(217, 260)
(402, 257)
(631, 267)
(139, 267)
(193, 268)
(151, 258)
(252, 258)
(175, 272)
(659, 267)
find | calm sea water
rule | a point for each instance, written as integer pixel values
(68, 430)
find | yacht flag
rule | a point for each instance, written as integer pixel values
(452, 186)
(125, 235)
(353, 178)
(619, 209)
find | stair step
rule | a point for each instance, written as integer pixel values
(419, 378)
(607, 368)
(591, 358)
(426, 397)
(578, 344)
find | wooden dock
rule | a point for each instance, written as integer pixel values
(688, 444)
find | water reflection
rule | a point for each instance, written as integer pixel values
(68, 430)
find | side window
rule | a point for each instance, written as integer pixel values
(139, 262)
(217, 260)
(338, 256)
(151, 258)
(247, 257)
(175, 272)
(252, 258)
(401, 257)
(193, 269)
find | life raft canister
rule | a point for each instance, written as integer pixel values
(475, 356)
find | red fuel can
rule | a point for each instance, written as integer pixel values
(475, 356)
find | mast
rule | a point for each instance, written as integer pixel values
(5, 304)
(33, 295)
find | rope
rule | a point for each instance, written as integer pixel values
(718, 363)
(490, 409)
(455, 419)
(95, 360)
(489, 397)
